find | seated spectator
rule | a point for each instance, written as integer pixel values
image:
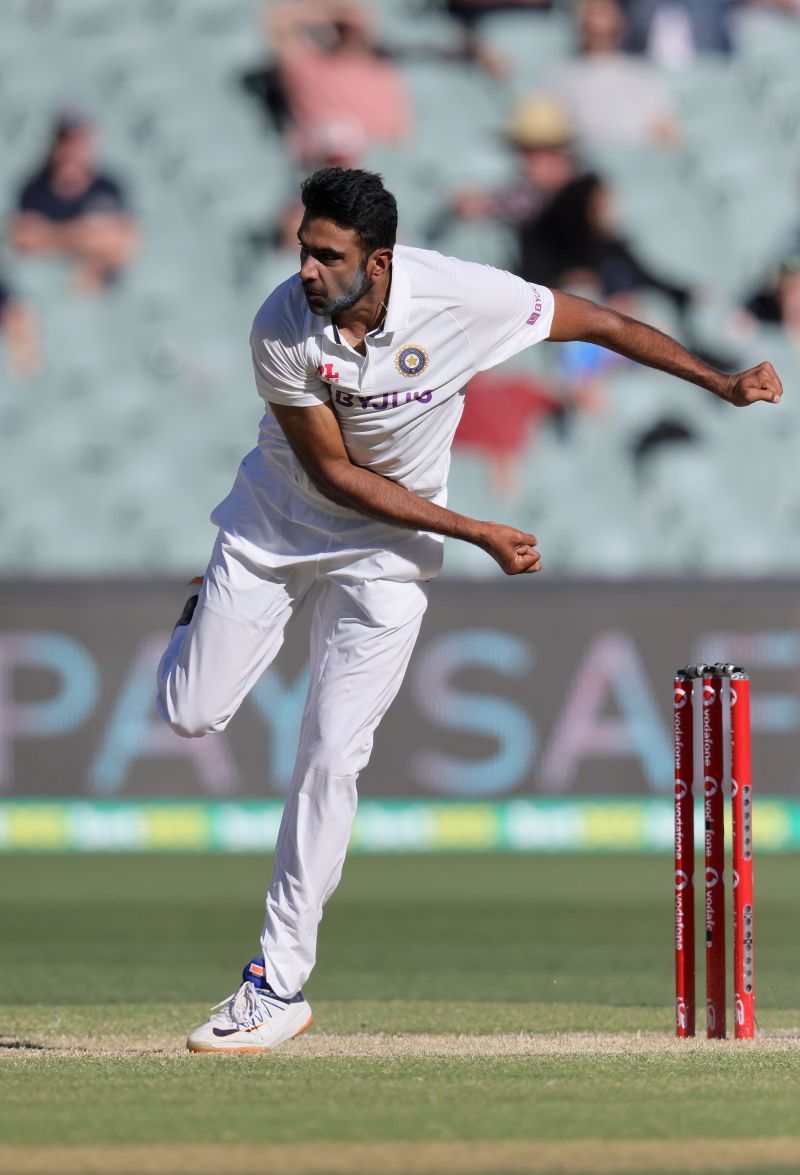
(503, 438)
(541, 137)
(778, 299)
(574, 242)
(770, 324)
(331, 72)
(610, 96)
(776, 306)
(69, 208)
(21, 335)
(788, 294)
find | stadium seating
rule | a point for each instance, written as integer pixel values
(117, 452)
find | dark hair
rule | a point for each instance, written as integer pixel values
(355, 199)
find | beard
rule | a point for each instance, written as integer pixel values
(359, 286)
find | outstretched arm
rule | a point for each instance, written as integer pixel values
(577, 318)
(316, 439)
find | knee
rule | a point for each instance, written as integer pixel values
(186, 718)
(332, 755)
(190, 726)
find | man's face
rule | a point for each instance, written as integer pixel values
(332, 268)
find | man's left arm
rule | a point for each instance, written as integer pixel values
(579, 319)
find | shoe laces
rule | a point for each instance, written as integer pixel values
(246, 1008)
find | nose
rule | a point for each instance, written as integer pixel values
(308, 270)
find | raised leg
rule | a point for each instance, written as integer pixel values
(237, 628)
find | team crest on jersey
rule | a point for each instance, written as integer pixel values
(411, 360)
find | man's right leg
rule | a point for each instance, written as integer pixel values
(211, 663)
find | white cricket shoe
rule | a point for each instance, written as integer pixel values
(252, 1020)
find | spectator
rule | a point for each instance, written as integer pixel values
(788, 295)
(610, 96)
(777, 300)
(21, 335)
(68, 208)
(331, 72)
(504, 438)
(574, 242)
(541, 137)
(771, 318)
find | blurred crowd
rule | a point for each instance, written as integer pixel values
(332, 86)
(70, 209)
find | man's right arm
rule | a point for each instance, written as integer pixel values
(316, 440)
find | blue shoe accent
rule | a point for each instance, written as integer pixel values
(255, 973)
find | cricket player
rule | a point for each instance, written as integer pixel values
(362, 359)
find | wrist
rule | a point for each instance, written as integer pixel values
(474, 531)
(722, 385)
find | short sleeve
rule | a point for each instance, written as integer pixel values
(502, 314)
(282, 371)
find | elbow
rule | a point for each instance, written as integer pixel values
(604, 327)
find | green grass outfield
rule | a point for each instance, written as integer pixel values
(472, 1014)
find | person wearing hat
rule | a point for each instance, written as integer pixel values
(69, 208)
(540, 135)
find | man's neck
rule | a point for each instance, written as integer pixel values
(367, 315)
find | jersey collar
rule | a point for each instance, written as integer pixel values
(398, 311)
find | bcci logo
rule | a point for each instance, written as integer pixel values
(411, 360)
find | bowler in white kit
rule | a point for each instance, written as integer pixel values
(362, 359)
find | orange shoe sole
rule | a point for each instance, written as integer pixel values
(253, 1048)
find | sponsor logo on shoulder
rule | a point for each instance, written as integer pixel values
(537, 307)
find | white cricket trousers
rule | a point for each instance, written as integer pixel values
(365, 624)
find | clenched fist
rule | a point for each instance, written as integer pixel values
(514, 550)
(758, 383)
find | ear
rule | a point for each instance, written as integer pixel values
(379, 263)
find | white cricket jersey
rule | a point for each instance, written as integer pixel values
(399, 404)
